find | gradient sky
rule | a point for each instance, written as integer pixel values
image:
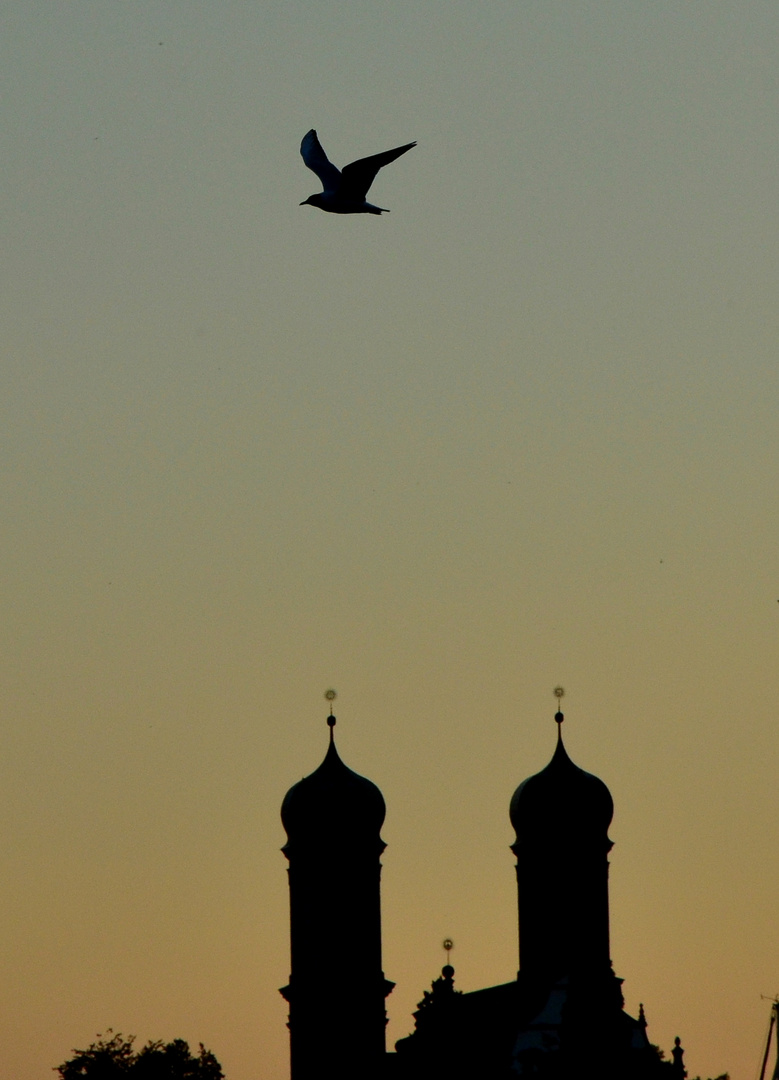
(522, 430)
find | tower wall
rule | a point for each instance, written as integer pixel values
(337, 989)
(563, 900)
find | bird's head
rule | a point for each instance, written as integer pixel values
(314, 200)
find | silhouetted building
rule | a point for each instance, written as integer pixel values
(561, 817)
(562, 1018)
(337, 988)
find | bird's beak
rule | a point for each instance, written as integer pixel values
(304, 203)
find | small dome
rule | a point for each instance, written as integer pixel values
(561, 799)
(333, 802)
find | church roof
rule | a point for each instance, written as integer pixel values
(561, 799)
(332, 803)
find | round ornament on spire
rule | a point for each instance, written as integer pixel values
(559, 693)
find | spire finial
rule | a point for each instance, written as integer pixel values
(330, 695)
(447, 971)
(559, 693)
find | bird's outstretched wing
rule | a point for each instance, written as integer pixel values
(316, 159)
(358, 176)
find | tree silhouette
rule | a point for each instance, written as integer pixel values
(112, 1058)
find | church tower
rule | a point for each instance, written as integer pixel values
(337, 988)
(561, 817)
(563, 1017)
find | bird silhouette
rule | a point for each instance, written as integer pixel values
(344, 189)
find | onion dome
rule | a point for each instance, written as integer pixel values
(333, 803)
(561, 800)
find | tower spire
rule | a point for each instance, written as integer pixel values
(333, 819)
(561, 817)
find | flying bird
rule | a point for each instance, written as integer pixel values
(345, 189)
